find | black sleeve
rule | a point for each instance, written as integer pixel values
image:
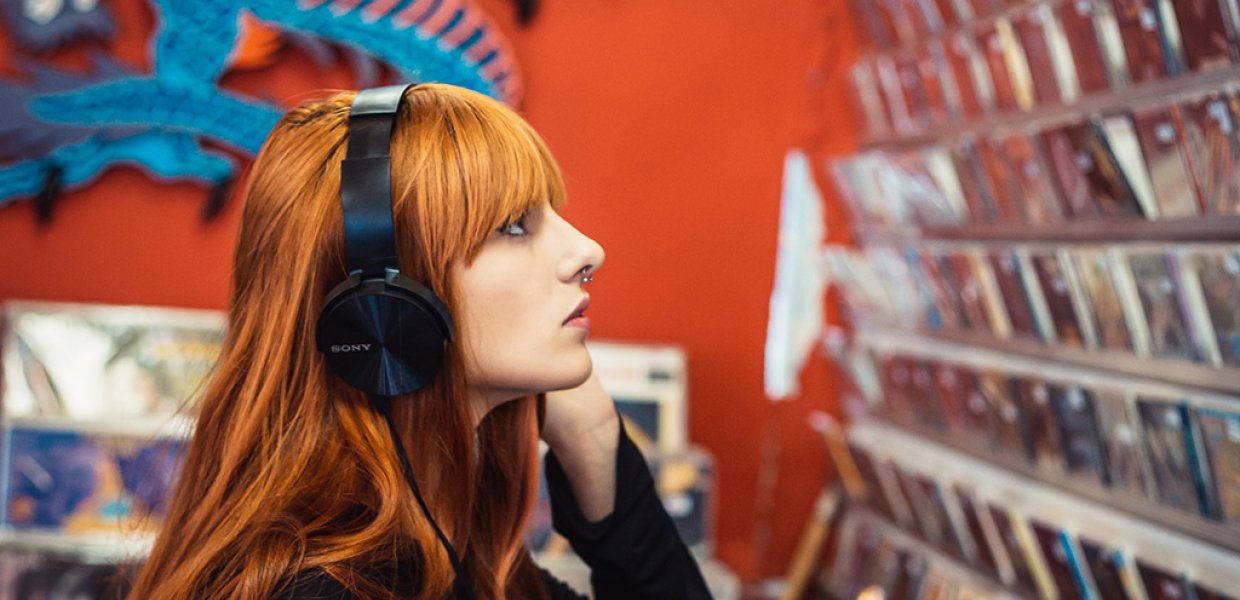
(635, 552)
(556, 589)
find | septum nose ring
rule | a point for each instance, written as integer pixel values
(586, 277)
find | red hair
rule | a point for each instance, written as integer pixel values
(289, 469)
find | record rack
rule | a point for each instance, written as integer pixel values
(1043, 300)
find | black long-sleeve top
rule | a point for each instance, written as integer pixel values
(633, 553)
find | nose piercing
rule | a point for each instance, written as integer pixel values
(586, 277)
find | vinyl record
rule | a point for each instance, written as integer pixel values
(1159, 294)
(1109, 324)
(1057, 291)
(1078, 431)
(1142, 29)
(1160, 131)
(1167, 439)
(1220, 433)
(1077, 20)
(1059, 559)
(1119, 430)
(1213, 148)
(1209, 40)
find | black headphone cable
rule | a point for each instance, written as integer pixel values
(461, 585)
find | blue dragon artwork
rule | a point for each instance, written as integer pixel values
(64, 129)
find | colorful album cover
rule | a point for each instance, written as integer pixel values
(1040, 201)
(1160, 133)
(1125, 465)
(1218, 273)
(1125, 174)
(1167, 444)
(999, 183)
(858, 548)
(1059, 560)
(977, 197)
(1208, 38)
(991, 43)
(76, 482)
(946, 295)
(865, 98)
(1142, 29)
(1071, 165)
(944, 298)
(936, 316)
(960, 270)
(1089, 170)
(930, 67)
(957, 388)
(1220, 434)
(1106, 311)
(1165, 317)
(1017, 553)
(1107, 567)
(1077, 21)
(1057, 293)
(932, 525)
(916, 98)
(948, 535)
(1008, 276)
(897, 379)
(1043, 446)
(1009, 431)
(948, 207)
(1035, 40)
(1213, 149)
(968, 70)
(876, 494)
(1162, 584)
(925, 396)
(92, 362)
(1078, 430)
(685, 482)
(983, 556)
(888, 78)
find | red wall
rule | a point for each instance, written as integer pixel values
(670, 120)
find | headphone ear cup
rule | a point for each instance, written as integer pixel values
(384, 339)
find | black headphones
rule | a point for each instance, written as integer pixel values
(380, 331)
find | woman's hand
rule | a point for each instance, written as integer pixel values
(583, 430)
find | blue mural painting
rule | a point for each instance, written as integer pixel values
(62, 129)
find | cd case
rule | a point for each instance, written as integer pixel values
(89, 362)
(78, 482)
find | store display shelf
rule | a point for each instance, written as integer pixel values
(84, 548)
(139, 426)
(959, 571)
(1036, 356)
(1120, 99)
(978, 22)
(1214, 228)
(1161, 534)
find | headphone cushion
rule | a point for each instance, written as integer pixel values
(385, 339)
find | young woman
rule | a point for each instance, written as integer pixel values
(293, 486)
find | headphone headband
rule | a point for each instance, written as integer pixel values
(366, 182)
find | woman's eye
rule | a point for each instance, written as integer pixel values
(515, 228)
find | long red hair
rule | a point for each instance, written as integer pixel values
(289, 469)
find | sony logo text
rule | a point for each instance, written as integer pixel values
(336, 349)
